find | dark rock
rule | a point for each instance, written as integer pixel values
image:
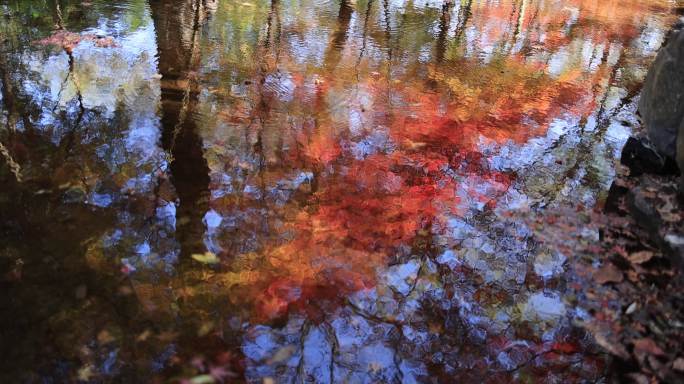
(644, 211)
(616, 193)
(680, 157)
(641, 157)
(655, 208)
(662, 100)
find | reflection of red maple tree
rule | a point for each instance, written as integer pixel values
(364, 209)
(507, 100)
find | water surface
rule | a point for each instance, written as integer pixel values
(305, 191)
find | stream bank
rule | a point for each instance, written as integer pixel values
(634, 276)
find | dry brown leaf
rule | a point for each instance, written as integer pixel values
(640, 257)
(104, 337)
(614, 348)
(608, 274)
(678, 364)
(649, 346)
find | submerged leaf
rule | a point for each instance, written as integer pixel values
(203, 379)
(608, 274)
(640, 257)
(206, 258)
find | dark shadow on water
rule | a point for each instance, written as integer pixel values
(178, 28)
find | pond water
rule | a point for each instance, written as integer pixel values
(305, 191)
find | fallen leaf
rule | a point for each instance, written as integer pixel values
(613, 348)
(221, 373)
(144, 336)
(640, 257)
(678, 364)
(205, 328)
(566, 348)
(203, 379)
(632, 308)
(206, 258)
(282, 354)
(649, 346)
(104, 337)
(608, 274)
(86, 372)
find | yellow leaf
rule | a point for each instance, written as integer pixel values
(206, 258)
(203, 379)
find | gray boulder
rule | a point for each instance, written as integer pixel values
(662, 100)
(680, 153)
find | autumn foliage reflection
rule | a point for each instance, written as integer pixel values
(363, 206)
